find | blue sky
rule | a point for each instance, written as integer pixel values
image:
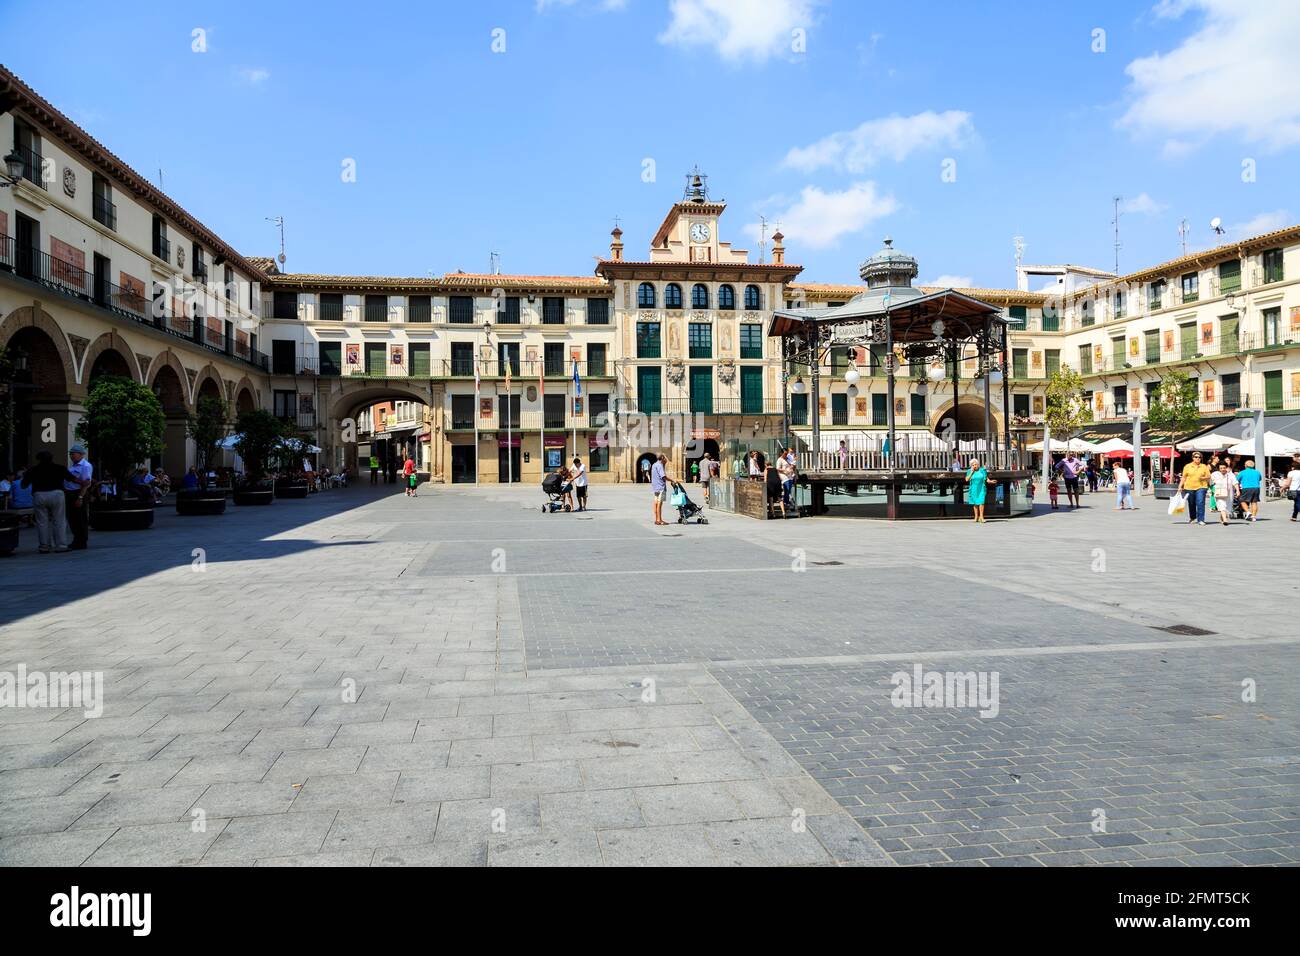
(530, 152)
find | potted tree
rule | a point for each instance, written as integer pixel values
(259, 433)
(1174, 411)
(124, 425)
(206, 427)
(290, 481)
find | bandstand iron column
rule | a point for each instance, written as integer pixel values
(891, 505)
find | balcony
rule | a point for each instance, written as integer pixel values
(524, 370)
(33, 165)
(717, 406)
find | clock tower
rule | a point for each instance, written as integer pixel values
(689, 232)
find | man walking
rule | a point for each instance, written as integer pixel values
(579, 474)
(1250, 481)
(75, 491)
(1070, 469)
(374, 469)
(46, 480)
(1195, 480)
(659, 487)
(708, 470)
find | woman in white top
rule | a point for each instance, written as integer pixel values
(1123, 489)
(1225, 488)
(1293, 489)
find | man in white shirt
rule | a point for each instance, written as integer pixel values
(74, 494)
(579, 472)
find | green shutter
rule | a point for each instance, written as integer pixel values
(702, 389)
(648, 391)
(1187, 340)
(1020, 363)
(1152, 346)
(376, 363)
(799, 409)
(751, 389)
(331, 358)
(420, 366)
(918, 410)
(1273, 390)
(1117, 353)
(1228, 342)
(879, 409)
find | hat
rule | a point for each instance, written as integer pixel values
(77, 450)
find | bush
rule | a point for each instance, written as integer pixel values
(259, 437)
(207, 427)
(124, 425)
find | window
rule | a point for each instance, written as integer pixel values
(462, 411)
(753, 300)
(1085, 359)
(1020, 363)
(726, 298)
(1020, 405)
(880, 409)
(751, 340)
(462, 358)
(283, 357)
(1229, 340)
(751, 389)
(596, 359)
(553, 310)
(1231, 386)
(1051, 317)
(648, 391)
(1086, 314)
(420, 363)
(284, 305)
(1230, 276)
(1272, 326)
(1272, 262)
(508, 312)
(1152, 346)
(598, 311)
(1187, 340)
(508, 357)
(918, 409)
(331, 307)
(598, 408)
(701, 389)
(645, 296)
(1273, 390)
(1017, 316)
(1156, 294)
(460, 309)
(647, 340)
(27, 144)
(553, 359)
(1118, 358)
(508, 411)
(553, 411)
(419, 308)
(1118, 304)
(228, 280)
(699, 296)
(102, 207)
(198, 265)
(598, 458)
(672, 296)
(876, 360)
(376, 308)
(699, 335)
(1191, 287)
(161, 247)
(1119, 395)
(285, 403)
(840, 360)
(799, 409)
(376, 358)
(331, 358)
(839, 408)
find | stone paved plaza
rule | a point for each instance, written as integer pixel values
(364, 679)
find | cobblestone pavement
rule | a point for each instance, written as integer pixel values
(364, 679)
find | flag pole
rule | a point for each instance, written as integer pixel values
(476, 408)
(541, 394)
(577, 385)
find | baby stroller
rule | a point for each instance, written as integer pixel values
(555, 487)
(686, 509)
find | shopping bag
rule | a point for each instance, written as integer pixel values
(678, 499)
(1178, 504)
(1212, 502)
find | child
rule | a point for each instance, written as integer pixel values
(1031, 491)
(1052, 490)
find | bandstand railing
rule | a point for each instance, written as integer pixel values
(913, 452)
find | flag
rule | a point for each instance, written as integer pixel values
(577, 380)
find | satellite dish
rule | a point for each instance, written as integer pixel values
(1217, 225)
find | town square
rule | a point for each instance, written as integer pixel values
(649, 433)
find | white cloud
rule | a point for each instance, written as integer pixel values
(254, 76)
(893, 137)
(1236, 74)
(952, 282)
(1264, 222)
(818, 219)
(1141, 205)
(738, 29)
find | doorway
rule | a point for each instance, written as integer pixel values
(706, 446)
(462, 464)
(643, 466)
(508, 462)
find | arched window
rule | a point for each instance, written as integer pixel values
(672, 296)
(752, 298)
(726, 297)
(645, 296)
(699, 296)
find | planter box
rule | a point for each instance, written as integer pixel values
(8, 534)
(253, 496)
(200, 502)
(121, 515)
(1165, 491)
(292, 489)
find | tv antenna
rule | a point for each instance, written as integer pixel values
(1115, 223)
(494, 263)
(279, 222)
(762, 239)
(1183, 230)
(1019, 243)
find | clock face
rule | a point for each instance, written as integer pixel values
(700, 232)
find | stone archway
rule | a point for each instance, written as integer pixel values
(344, 404)
(169, 388)
(168, 359)
(44, 414)
(245, 396)
(969, 420)
(208, 382)
(28, 317)
(108, 355)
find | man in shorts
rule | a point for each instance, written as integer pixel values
(659, 487)
(708, 468)
(1069, 470)
(579, 476)
(1250, 480)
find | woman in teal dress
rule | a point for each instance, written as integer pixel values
(976, 488)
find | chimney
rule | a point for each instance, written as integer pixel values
(778, 250)
(616, 245)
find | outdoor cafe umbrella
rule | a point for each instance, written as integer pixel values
(1074, 444)
(294, 444)
(1276, 445)
(1213, 441)
(1115, 448)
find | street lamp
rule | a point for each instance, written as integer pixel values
(13, 169)
(799, 387)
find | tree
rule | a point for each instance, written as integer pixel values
(124, 425)
(207, 427)
(1067, 411)
(1173, 407)
(259, 436)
